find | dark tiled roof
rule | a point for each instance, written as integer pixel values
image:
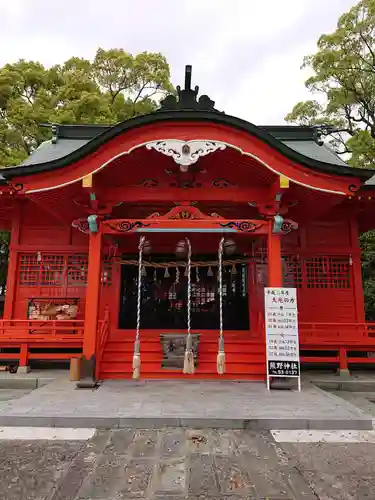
(73, 137)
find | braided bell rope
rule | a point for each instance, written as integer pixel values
(139, 291)
(220, 271)
(189, 367)
(137, 343)
(188, 287)
(220, 360)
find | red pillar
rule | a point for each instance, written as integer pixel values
(92, 295)
(11, 285)
(24, 355)
(275, 266)
(343, 359)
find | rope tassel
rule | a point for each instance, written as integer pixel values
(189, 367)
(137, 343)
(137, 359)
(220, 360)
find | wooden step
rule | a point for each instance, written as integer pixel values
(245, 357)
(170, 375)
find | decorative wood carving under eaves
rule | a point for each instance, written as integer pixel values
(186, 153)
(82, 225)
(184, 212)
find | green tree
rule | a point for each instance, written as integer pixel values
(368, 271)
(343, 81)
(113, 87)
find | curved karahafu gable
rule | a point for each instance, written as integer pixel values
(184, 114)
(76, 148)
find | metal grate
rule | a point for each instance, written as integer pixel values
(52, 269)
(49, 270)
(37, 270)
(328, 272)
(77, 269)
(164, 297)
(29, 270)
(292, 271)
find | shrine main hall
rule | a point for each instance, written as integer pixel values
(145, 247)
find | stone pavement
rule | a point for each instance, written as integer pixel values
(190, 464)
(335, 471)
(365, 401)
(138, 404)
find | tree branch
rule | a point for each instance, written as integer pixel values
(372, 53)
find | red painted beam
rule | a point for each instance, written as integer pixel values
(128, 226)
(138, 194)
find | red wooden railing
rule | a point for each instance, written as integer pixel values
(34, 338)
(337, 333)
(30, 330)
(102, 337)
(337, 343)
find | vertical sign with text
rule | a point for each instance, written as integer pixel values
(282, 344)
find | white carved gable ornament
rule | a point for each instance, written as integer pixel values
(185, 153)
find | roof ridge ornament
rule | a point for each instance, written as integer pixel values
(55, 133)
(187, 98)
(322, 130)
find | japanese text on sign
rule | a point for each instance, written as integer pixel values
(281, 318)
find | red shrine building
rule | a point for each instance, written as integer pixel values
(284, 209)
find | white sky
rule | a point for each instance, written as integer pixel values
(246, 54)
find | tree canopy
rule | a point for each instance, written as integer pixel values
(343, 82)
(113, 87)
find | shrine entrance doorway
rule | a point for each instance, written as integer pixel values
(155, 294)
(164, 294)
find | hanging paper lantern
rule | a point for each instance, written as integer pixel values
(143, 271)
(229, 247)
(181, 249)
(210, 272)
(166, 273)
(147, 247)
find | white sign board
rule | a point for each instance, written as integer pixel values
(281, 317)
